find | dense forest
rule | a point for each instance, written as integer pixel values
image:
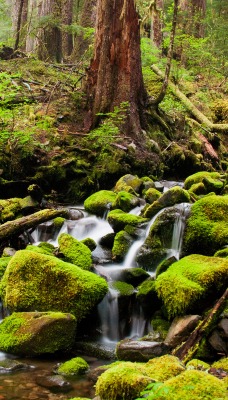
(113, 199)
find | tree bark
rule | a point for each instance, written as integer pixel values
(195, 12)
(187, 350)
(19, 225)
(115, 74)
(67, 19)
(200, 117)
(157, 23)
(19, 19)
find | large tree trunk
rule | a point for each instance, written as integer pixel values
(67, 19)
(115, 74)
(19, 21)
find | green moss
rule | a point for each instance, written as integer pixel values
(90, 243)
(212, 181)
(99, 202)
(75, 251)
(128, 183)
(222, 253)
(134, 276)
(121, 245)
(118, 219)
(9, 209)
(75, 366)
(207, 227)
(165, 367)
(125, 201)
(58, 222)
(34, 281)
(197, 364)
(173, 196)
(147, 296)
(4, 261)
(188, 280)
(123, 288)
(161, 326)
(37, 333)
(221, 364)
(43, 248)
(152, 195)
(195, 385)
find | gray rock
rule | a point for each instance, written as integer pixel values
(223, 327)
(180, 329)
(9, 365)
(133, 350)
(55, 383)
(217, 342)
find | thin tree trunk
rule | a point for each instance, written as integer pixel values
(20, 13)
(169, 57)
(200, 117)
(187, 350)
(157, 23)
(67, 19)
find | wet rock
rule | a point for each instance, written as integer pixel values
(9, 365)
(54, 383)
(74, 214)
(98, 350)
(133, 350)
(8, 252)
(223, 327)
(218, 343)
(180, 329)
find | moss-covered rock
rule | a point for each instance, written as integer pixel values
(90, 243)
(189, 281)
(222, 252)
(221, 364)
(147, 296)
(121, 245)
(125, 201)
(207, 227)
(75, 366)
(43, 248)
(29, 205)
(160, 326)
(128, 183)
(99, 202)
(58, 223)
(198, 364)
(195, 385)
(125, 380)
(152, 195)
(35, 333)
(75, 251)
(124, 289)
(174, 195)
(34, 281)
(212, 182)
(134, 276)
(9, 209)
(118, 219)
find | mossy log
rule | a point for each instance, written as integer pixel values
(11, 228)
(190, 106)
(186, 350)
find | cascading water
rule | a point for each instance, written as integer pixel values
(178, 230)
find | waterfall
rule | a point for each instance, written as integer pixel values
(178, 230)
(108, 311)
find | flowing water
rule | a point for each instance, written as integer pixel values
(113, 327)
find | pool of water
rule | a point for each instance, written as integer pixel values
(28, 384)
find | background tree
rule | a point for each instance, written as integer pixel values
(115, 74)
(19, 20)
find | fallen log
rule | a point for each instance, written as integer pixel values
(191, 107)
(16, 227)
(186, 350)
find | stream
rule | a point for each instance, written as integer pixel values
(27, 384)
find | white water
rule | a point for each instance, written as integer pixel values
(178, 230)
(108, 311)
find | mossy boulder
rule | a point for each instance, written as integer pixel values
(43, 247)
(34, 281)
(221, 364)
(195, 385)
(152, 195)
(191, 280)
(90, 243)
(135, 276)
(98, 203)
(147, 296)
(58, 223)
(174, 195)
(222, 252)
(125, 380)
(207, 227)
(75, 366)
(29, 205)
(160, 326)
(198, 364)
(35, 333)
(121, 245)
(125, 201)
(128, 183)
(75, 251)
(212, 182)
(124, 289)
(9, 209)
(118, 219)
